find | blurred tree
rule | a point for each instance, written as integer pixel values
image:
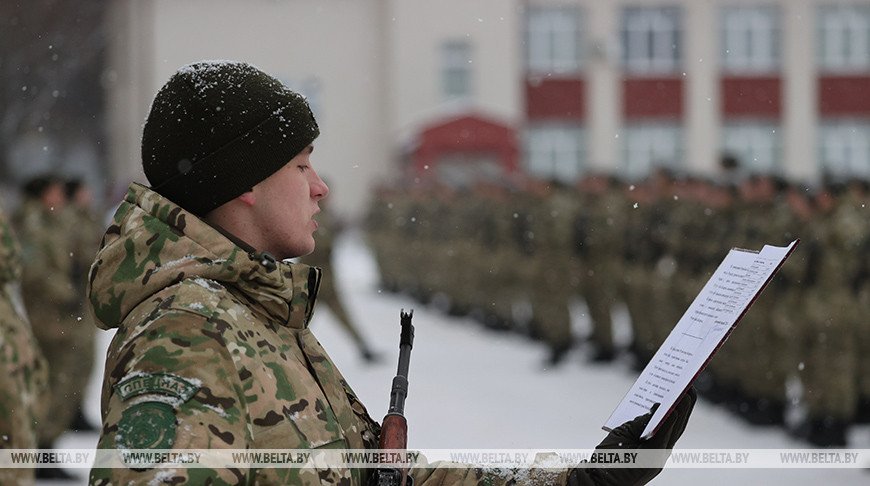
(52, 55)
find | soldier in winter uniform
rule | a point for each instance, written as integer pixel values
(496, 253)
(548, 239)
(380, 227)
(830, 337)
(50, 299)
(601, 249)
(638, 258)
(23, 371)
(212, 346)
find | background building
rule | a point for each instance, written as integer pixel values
(459, 89)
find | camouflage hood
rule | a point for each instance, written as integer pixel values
(152, 243)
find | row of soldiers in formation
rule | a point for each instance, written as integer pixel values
(516, 257)
(47, 245)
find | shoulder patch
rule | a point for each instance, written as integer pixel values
(146, 425)
(160, 383)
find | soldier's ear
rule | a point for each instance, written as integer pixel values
(248, 197)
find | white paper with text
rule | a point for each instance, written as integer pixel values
(706, 324)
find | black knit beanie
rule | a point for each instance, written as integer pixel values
(217, 128)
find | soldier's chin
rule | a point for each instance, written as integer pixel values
(307, 250)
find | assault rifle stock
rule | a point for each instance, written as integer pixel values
(394, 431)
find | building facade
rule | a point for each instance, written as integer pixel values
(406, 90)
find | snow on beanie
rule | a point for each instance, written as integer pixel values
(217, 128)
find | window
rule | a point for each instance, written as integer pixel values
(756, 145)
(651, 39)
(553, 39)
(844, 37)
(456, 58)
(648, 146)
(844, 148)
(750, 39)
(555, 151)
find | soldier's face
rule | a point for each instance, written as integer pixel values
(286, 203)
(54, 197)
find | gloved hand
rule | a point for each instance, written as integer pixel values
(626, 438)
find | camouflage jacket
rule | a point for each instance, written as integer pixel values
(23, 370)
(213, 351)
(10, 253)
(46, 280)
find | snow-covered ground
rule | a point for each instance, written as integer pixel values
(473, 388)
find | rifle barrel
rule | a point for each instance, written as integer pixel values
(400, 383)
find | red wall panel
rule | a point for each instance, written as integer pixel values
(844, 95)
(652, 97)
(555, 99)
(751, 96)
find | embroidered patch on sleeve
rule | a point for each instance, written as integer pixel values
(160, 383)
(146, 425)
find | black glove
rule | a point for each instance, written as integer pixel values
(626, 438)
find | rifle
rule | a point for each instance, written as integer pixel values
(394, 432)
